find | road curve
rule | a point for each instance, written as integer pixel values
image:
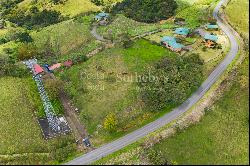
(177, 112)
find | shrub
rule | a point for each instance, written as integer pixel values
(110, 122)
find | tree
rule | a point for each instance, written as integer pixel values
(146, 10)
(110, 122)
(171, 81)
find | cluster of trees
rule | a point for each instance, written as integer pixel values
(148, 11)
(16, 35)
(34, 18)
(171, 81)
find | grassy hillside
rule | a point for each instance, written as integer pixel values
(70, 7)
(67, 37)
(17, 115)
(21, 137)
(106, 83)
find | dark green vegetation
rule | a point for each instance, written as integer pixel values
(146, 10)
(171, 81)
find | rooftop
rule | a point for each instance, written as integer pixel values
(172, 42)
(211, 37)
(212, 26)
(101, 15)
(38, 69)
(182, 31)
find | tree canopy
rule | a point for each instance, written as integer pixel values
(171, 81)
(146, 10)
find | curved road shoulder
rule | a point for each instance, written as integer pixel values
(151, 127)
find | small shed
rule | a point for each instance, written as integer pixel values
(101, 16)
(182, 31)
(210, 37)
(37, 69)
(55, 66)
(212, 27)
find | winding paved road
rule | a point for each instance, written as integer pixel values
(140, 133)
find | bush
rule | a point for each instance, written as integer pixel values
(110, 122)
(148, 11)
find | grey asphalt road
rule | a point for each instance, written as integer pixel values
(140, 133)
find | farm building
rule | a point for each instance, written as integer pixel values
(38, 69)
(171, 43)
(55, 66)
(212, 27)
(102, 16)
(210, 40)
(182, 31)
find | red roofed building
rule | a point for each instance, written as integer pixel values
(68, 63)
(38, 69)
(55, 66)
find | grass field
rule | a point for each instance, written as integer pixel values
(18, 105)
(99, 86)
(67, 37)
(221, 137)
